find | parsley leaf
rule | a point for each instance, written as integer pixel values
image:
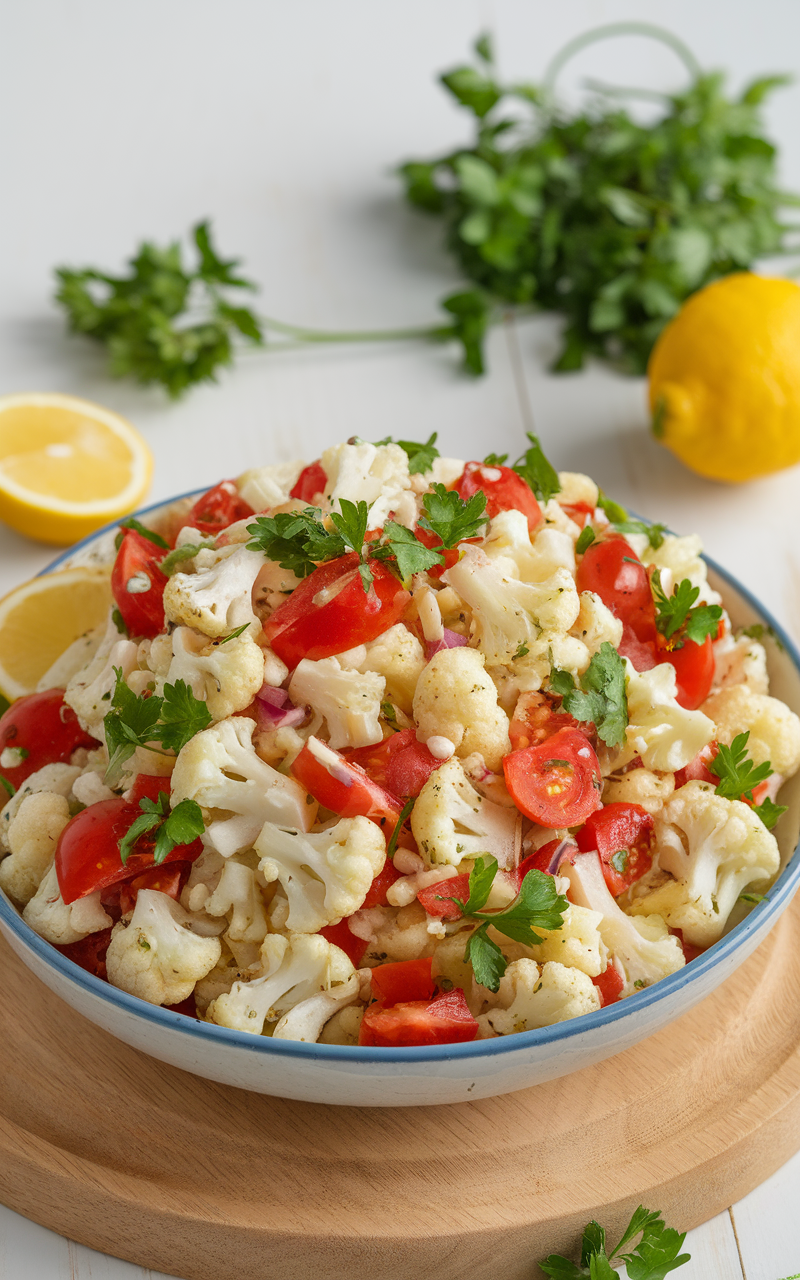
(150, 534)
(615, 513)
(405, 813)
(296, 540)
(657, 1253)
(654, 532)
(178, 555)
(737, 773)
(769, 812)
(495, 459)
(677, 618)
(450, 517)
(409, 554)
(351, 524)
(178, 826)
(537, 472)
(585, 539)
(182, 716)
(134, 721)
(601, 697)
(420, 456)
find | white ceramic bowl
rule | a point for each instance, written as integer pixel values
(351, 1076)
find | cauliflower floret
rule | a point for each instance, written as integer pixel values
(595, 623)
(742, 661)
(714, 848)
(86, 691)
(220, 770)
(325, 876)
(645, 948)
(681, 558)
(450, 821)
(398, 656)
(57, 778)
(536, 560)
(399, 934)
(576, 944)
(456, 699)
(774, 729)
(344, 1027)
(156, 955)
(509, 615)
(49, 915)
(293, 970)
(528, 673)
(226, 676)
(640, 786)
(32, 838)
(532, 997)
(267, 487)
(238, 896)
(218, 599)
(664, 734)
(349, 700)
(575, 488)
(307, 1019)
(375, 474)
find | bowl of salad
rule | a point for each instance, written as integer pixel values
(395, 779)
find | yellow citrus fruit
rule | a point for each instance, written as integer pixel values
(40, 619)
(67, 466)
(725, 378)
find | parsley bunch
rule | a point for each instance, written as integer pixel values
(172, 827)
(590, 214)
(601, 697)
(739, 776)
(538, 905)
(677, 618)
(140, 721)
(656, 1254)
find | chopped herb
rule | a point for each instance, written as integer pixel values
(769, 812)
(495, 459)
(388, 712)
(178, 826)
(601, 697)
(653, 532)
(119, 622)
(178, 555)
(615, 513)
(753, 897)
(420, 456)
(585, 540)
(537, 472)
(150, 534)
(676, 616)
(405, 813)
(9, 786)
(234, 635)
(619, 861)
(758, 630)
(521, 651)
(450, 517)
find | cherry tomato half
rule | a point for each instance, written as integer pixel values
(137, 584)
(613, 571)
(221, 506)
(345, 788)
(310, 483)
(400, 763)
(504, 490)
(557, 783)
(622, 835)
(535, 719)
(403, 981)
(330, 612)
(445, 1020)
(87, 853)
(694, 671)
(40, 729)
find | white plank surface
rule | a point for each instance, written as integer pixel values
(282, 123)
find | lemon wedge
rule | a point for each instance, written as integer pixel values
(41, 618)
(67, 466)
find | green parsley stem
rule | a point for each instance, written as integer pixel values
(611, 30)
(430, 332)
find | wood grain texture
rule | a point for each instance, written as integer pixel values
(143, 1161)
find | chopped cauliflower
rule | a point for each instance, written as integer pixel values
(715, 848)
(32, 837)
(450, 821)
(398, 656)
(774, 729)
(456, 699)
(349, 700)
(325, 875)
(576, 944)
(216, 600)
(664, 734)
(58, 922)
(531, 997)
(577, 488)
(238, 896)
(74, 658)
(535, 559)
(740, 661)
(640, 786)
(56, 778)
(679, 558)
(156, 955)
(595, 623)
(375, 474)
(226, 676)
(306, 1020)
(88, 690)
(267, 487)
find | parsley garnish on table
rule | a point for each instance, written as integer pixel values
(739, 776)
(656, 1254)
(538, 905)
(141, 721)
(601, 697)
(170, 827)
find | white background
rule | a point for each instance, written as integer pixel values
(283, 124)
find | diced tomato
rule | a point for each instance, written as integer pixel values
(137, 584)
(558, 782)
(577, 511)
(409, 768)
(535, 719)
(90, 952)
(310, 483)
(87, 853)
(642, 653)
(329, 612)
(622, 834)
(613, 571)
(376, 893)
(541, 859)
(504, 490)
(435, 898)
(341, 937)
(690, 951)
(221, 506)
(40, 729)
(345, 788)
(403, 981)
(694, 671)
(147, 786)
(167, 878)
(609, 985)
(375, 758)
(444, 1020)
(697, 769)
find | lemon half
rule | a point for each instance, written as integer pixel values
(67, 466)
(41, 618)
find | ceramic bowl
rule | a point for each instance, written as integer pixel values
(351, 1076)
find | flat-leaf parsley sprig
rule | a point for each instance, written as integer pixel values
(601, 698)
(538, 905)
(656, 1254)
(739, 776)
(677, 617)
(143, 720)
(170, 827)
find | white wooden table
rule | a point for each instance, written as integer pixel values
(282, 123)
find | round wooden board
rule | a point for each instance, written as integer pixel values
(140, 1160)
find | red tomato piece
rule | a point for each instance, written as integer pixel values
(445, 1020)
(694, 671)
(577, 511)
(642, 653)
(613, 571)
(535, 719)
(330, 612)
(221, 506)
(450, 554)
(697, 770)
(137, 584)
(435, 898)
(690, 951)
(622, 832)
(90, 952)
(375, 759)
(345, 788)
(87, 853)
(541, 859)
(310, 483)
(42, 729)
(341, 937)
(403, 981)
(558, 782)
(409, 769)
(167, 878)
(609, 985)
(376, 893)
(187, 1007)
(147, 786)
(504, 490)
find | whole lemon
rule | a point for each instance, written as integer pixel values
(725, 378)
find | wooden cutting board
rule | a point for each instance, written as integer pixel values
(143, 1161)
